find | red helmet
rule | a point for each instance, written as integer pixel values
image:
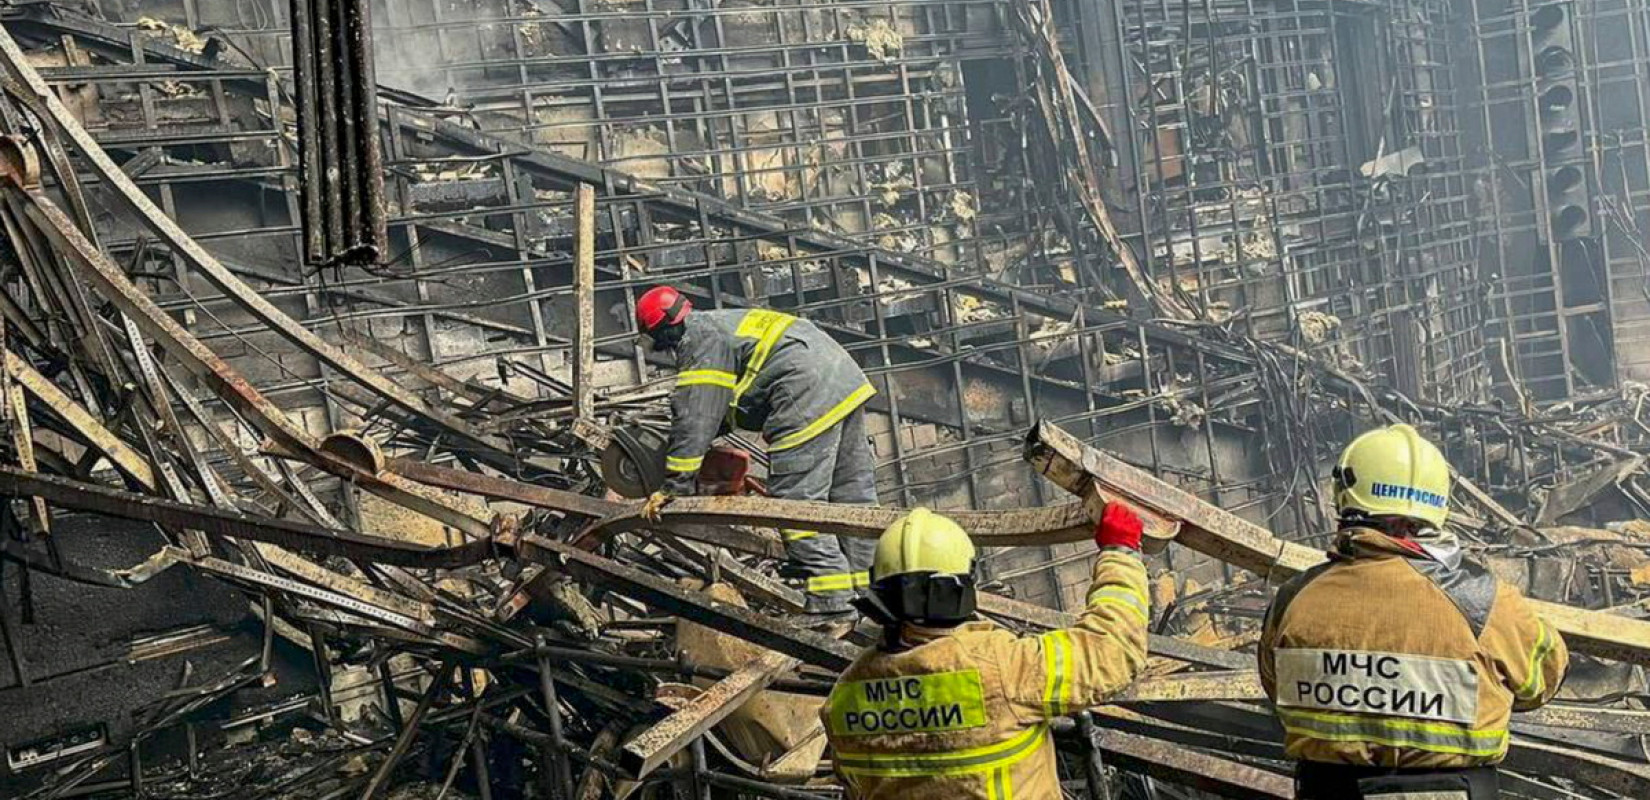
(661, 305)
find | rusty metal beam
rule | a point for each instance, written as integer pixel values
(286, 533)
(113, 284)
(1208, 529)
(653, 747)
(119, 453)
(743, 538)
(1009, 528)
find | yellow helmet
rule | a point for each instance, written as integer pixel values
(923, 571)
(923, 541)
(1393, 471)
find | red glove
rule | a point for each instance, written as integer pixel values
(1118, 527)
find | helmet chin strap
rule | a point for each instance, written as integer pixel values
(874, 610)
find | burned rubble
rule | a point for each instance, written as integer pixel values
(326, 427)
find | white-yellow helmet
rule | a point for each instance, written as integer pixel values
(1394, 471)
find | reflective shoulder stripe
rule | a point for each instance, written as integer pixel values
(1435, 737)
(675, 464)
(706, 377)
(1536, 680)
(766, 327)
(1124, 596)
(829, 418)
(758, 321)
(957, 762)
(1057, 664)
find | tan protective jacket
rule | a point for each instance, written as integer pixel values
(1383, 656)
(964, 713)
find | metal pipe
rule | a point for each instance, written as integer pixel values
(562, 780)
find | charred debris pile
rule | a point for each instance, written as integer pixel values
(515, 630)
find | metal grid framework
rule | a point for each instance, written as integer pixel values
(477, 217)
(1299, 166)
(1616, 56)
(882, 121)
(1275, 230)
(1552, 299)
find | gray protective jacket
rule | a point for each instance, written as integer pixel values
(758, 370)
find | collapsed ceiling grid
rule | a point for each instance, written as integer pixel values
(1212, 240)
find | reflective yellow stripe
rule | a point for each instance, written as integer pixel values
(1057, 662)
(959, 762)
(675, 464)
(832, 417)
(840, 582)
(1124, 596)
(1432, 737)
(1536, 682)
(1002, 784)
(706, 377)
(862, 580)
(797, 536)
(766, 327)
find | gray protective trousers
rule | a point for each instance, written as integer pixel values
(837, 466)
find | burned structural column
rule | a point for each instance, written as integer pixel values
(340, 161)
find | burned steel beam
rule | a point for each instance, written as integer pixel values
(340, 160)
(665, 595)
(1007, 528)
(1208, 529)
(112, 282)
(1177, 764)
(286, 533)
(734, 537)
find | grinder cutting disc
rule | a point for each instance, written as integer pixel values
(633, 464)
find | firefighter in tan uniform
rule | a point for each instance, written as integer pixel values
(951, 707)
(1395, 666)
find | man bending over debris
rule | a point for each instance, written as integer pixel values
(1396, 665)
(949, 707)
(779, 374)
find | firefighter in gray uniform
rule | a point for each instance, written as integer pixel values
(764, 370)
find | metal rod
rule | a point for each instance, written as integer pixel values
(442, 677)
